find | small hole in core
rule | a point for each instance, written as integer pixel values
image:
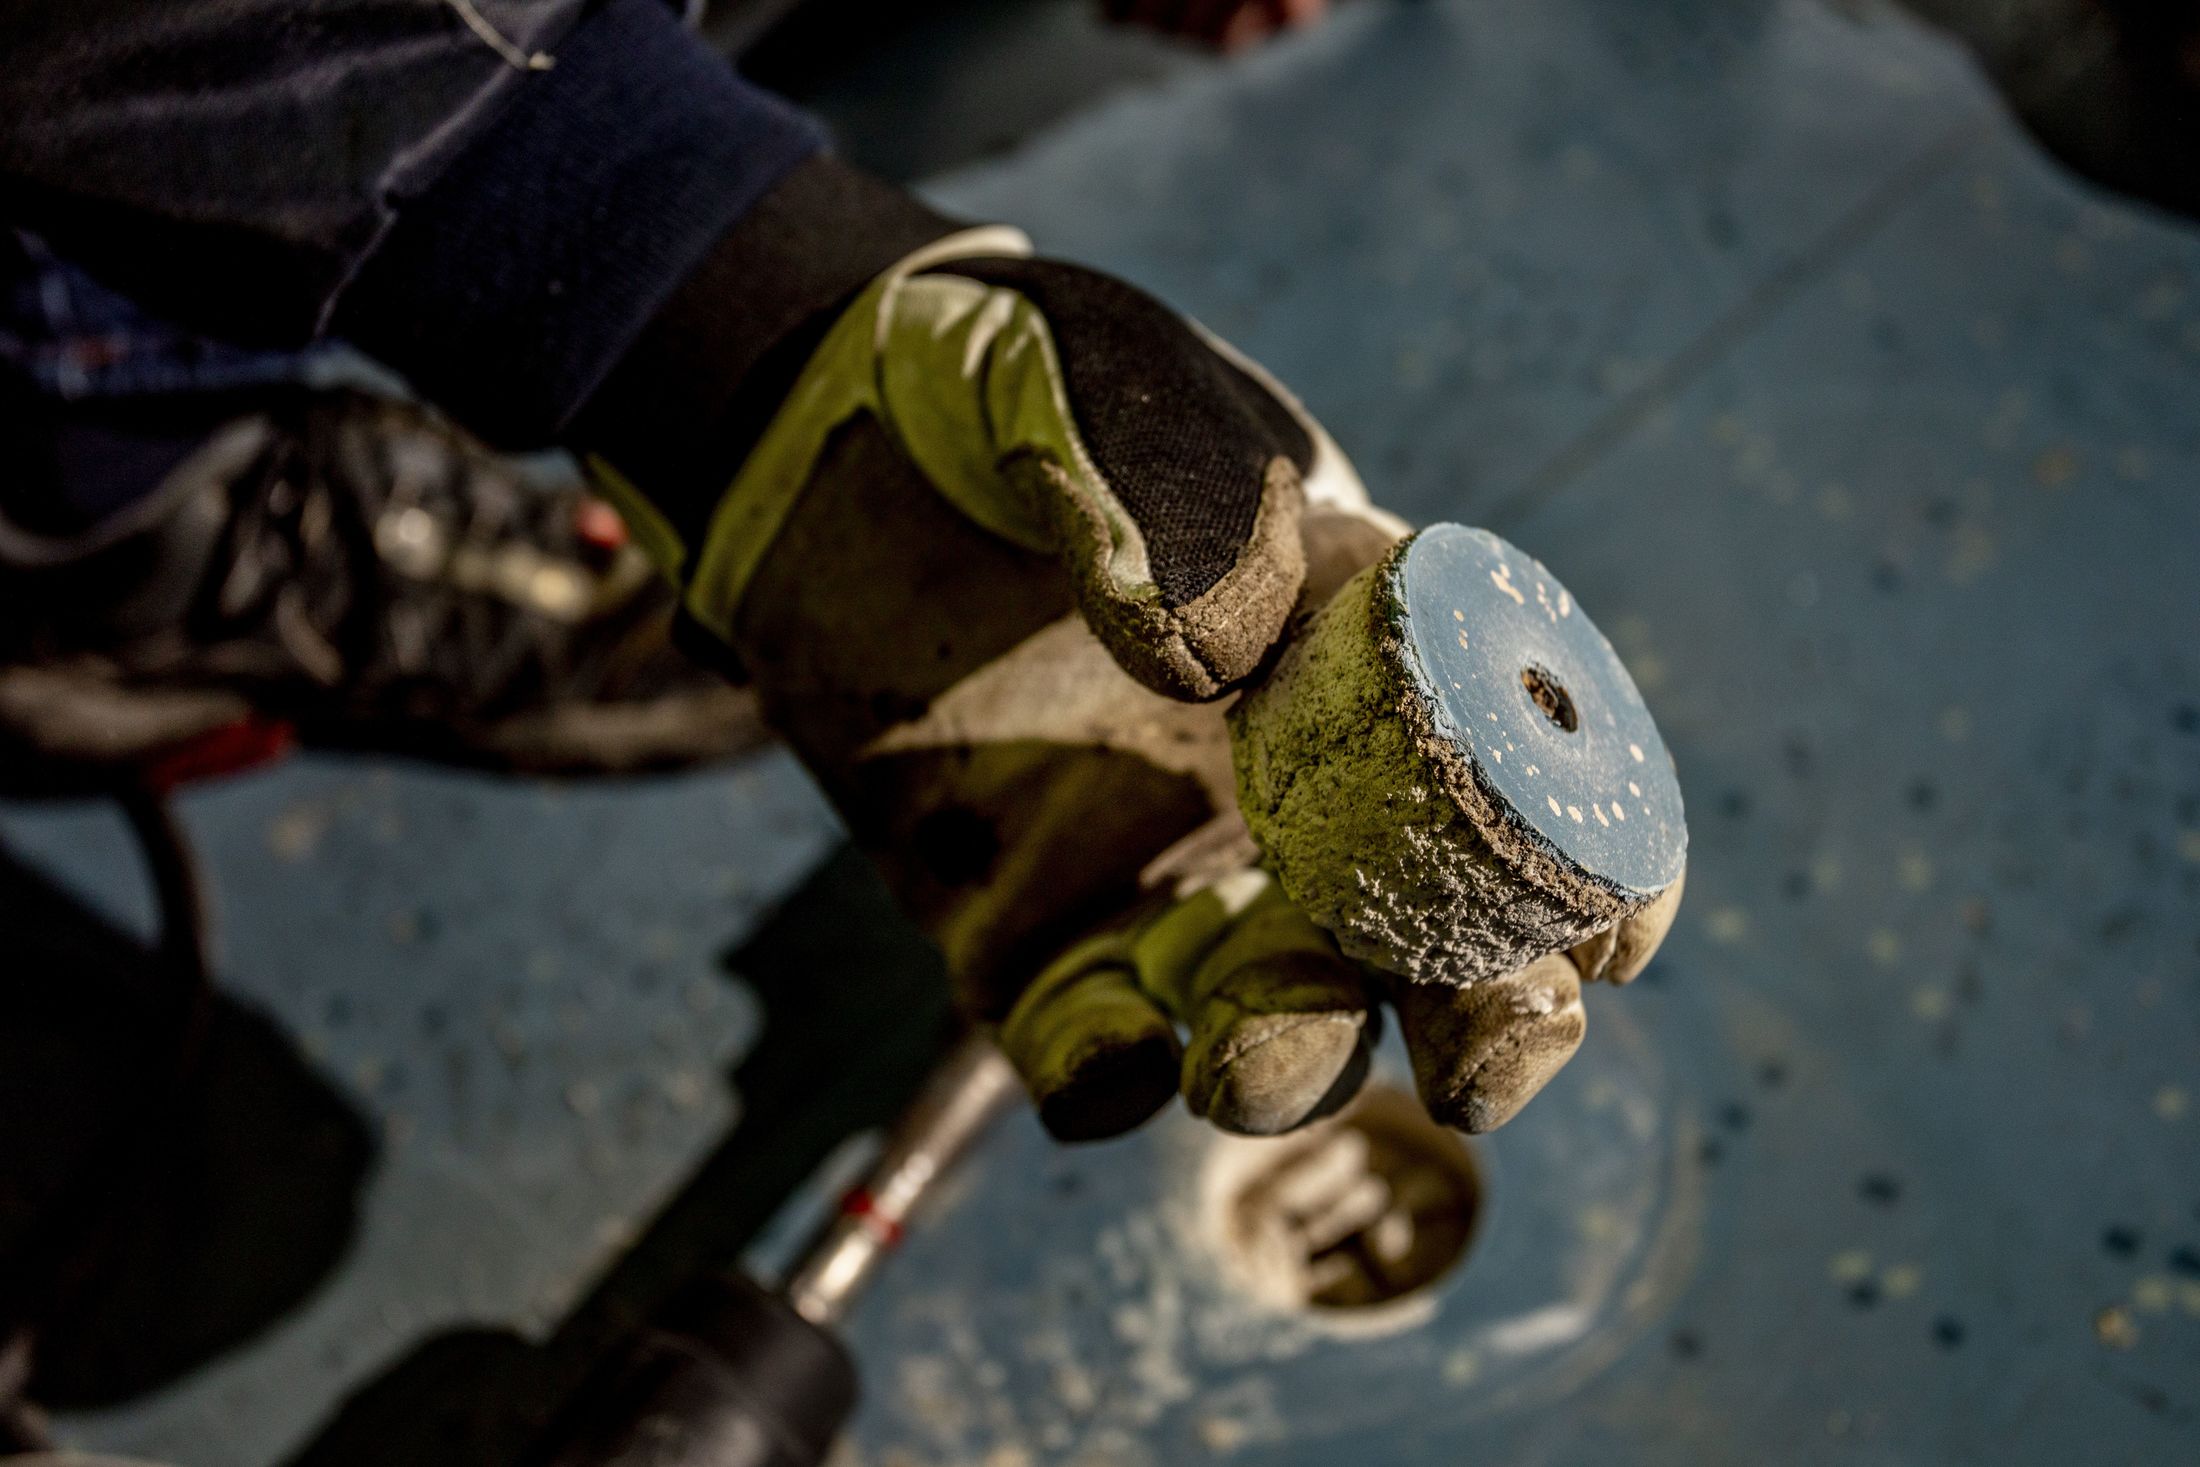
(1368, 1208)
(1550, 696)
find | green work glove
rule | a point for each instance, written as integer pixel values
(1002, 549)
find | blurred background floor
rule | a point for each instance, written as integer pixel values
(1867, 433)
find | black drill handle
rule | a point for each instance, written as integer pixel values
(737, 1375)
(730, 1376)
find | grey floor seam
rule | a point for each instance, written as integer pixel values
(1718, 340)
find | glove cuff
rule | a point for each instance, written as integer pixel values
(684, 406)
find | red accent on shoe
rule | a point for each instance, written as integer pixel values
(231, 749)
(598, 524)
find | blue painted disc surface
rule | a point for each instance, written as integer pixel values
(1534, 697)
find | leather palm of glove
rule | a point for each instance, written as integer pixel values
(1008, 538)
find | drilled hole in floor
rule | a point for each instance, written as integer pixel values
(1371, 1207)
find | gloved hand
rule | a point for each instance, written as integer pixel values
(995, 554)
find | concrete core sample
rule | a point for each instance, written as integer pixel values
(1450, 770)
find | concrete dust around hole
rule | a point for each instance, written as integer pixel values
(1350, 1221)
(1136, 1334)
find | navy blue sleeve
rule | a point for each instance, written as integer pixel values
(266, 172)
(514, 276)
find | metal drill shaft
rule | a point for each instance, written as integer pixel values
(971, 1086)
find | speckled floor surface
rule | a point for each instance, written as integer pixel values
(1870, 438)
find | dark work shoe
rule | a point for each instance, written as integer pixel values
(350, 572)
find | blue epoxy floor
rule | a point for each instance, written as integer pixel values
(1871, 439)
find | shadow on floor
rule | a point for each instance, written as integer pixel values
(152, 1231)
(911, 90)
(2110, 88)
(838, 948)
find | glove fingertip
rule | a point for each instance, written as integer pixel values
(1482, 1053)
(1618, 954)
(1097, 1056)
(1293, 1069)
(1113, 1092)
(1199, 648)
